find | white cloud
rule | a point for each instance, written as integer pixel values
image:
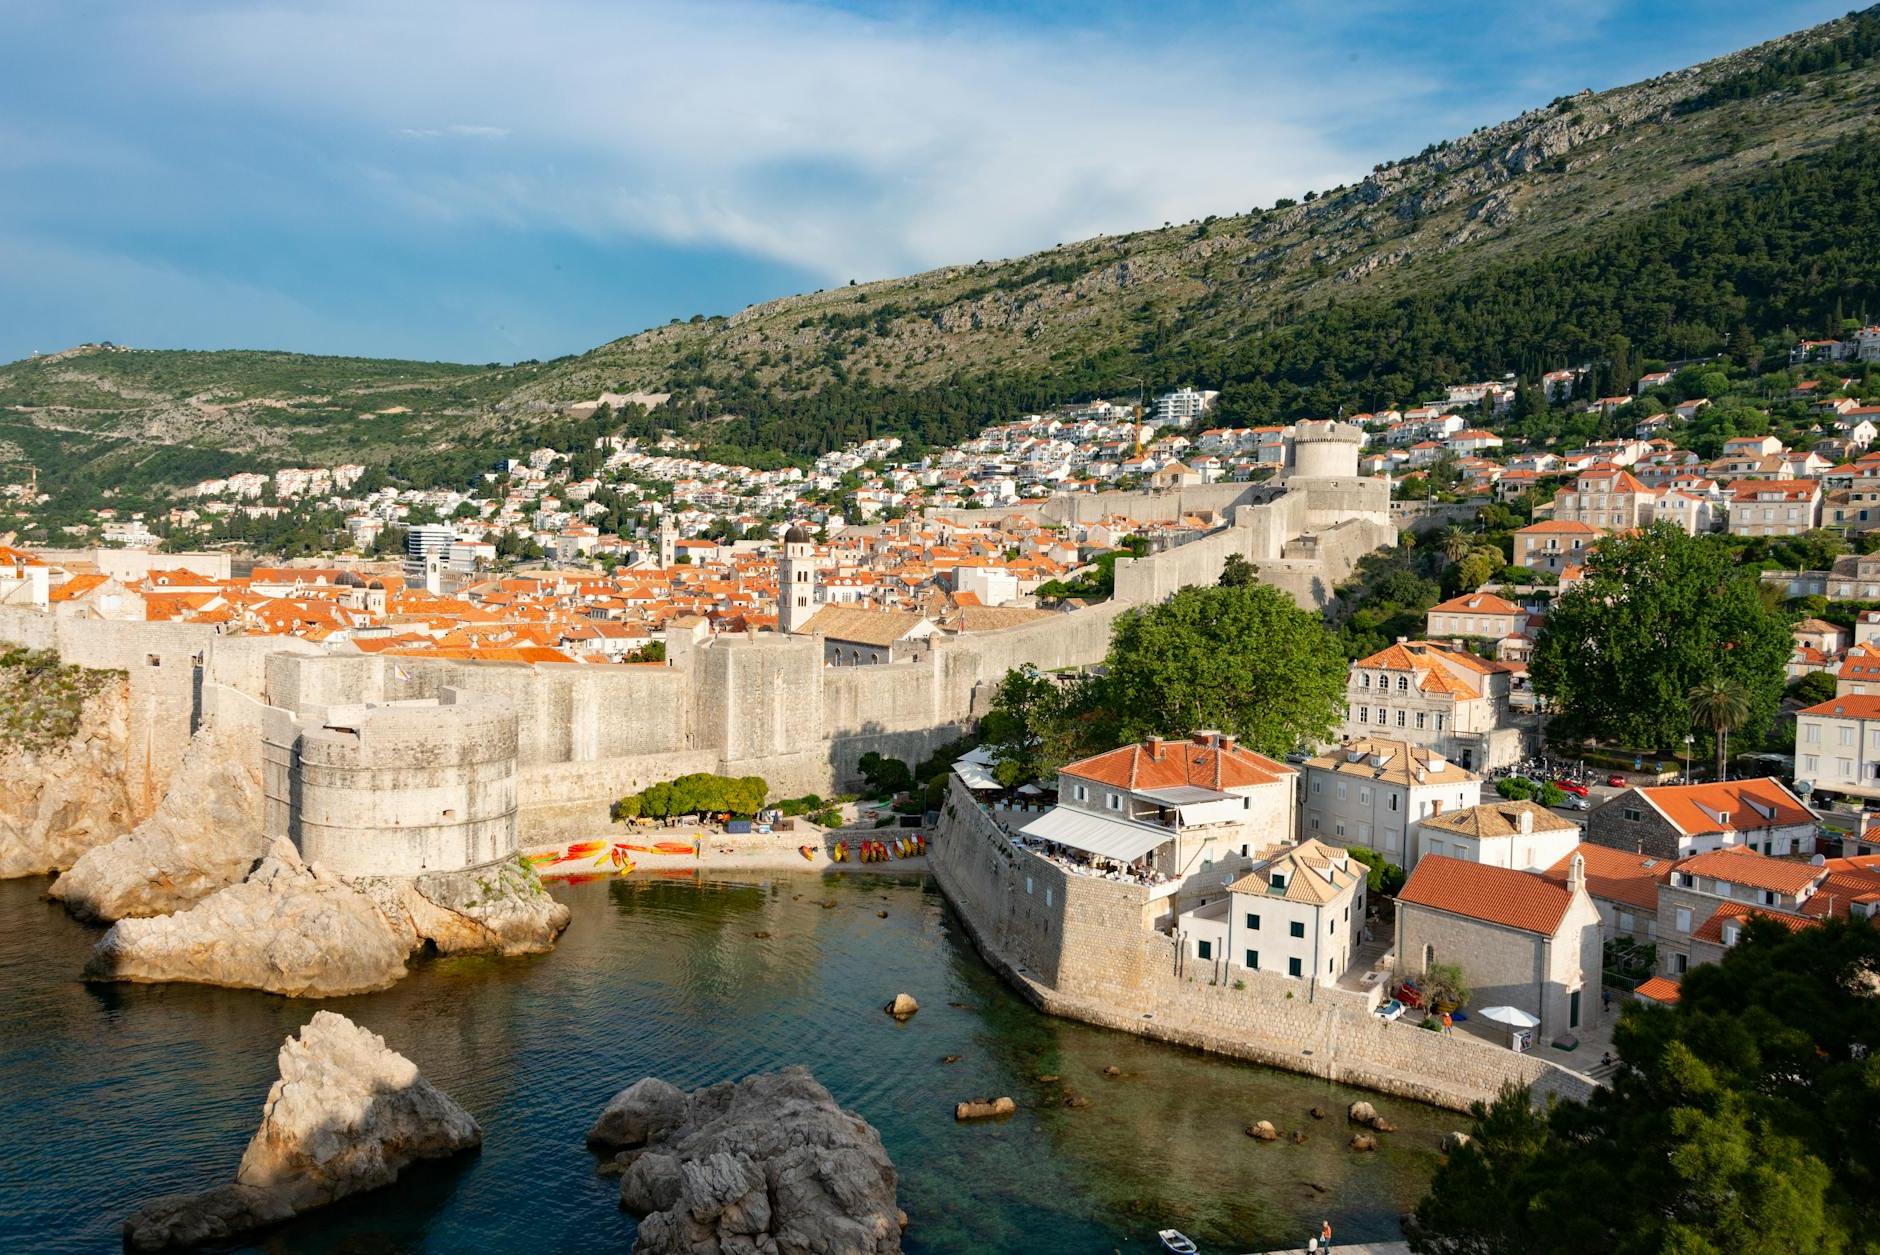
(849, 145)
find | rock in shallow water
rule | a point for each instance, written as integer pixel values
(295, 929)
(768, 1164)
(289, 929)
(347, 1115)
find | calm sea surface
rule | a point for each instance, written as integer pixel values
(109, 1095)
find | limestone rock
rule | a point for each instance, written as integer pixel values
(1382, 1125)
(501, 909)
(643, 1112)
(1318, 1113)
(1454, 1141)
(902, 1007)
(1363, 1141)
(1362, 1112)
(205, 835)
(1263, 1130)
(984, 1108)
(288, 929)
(768, 1164)
(1297, 1137)
(346, 1115)
(60, 800)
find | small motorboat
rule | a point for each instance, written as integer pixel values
(1172, 1240)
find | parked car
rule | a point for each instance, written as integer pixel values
(1567, 786)
(1391, 1010)
(1576, 803)
(1618, 781)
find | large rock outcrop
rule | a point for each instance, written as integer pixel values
(347, 1115)
(289, 929)
(205, 835)
(63, 785)
(501, 910)
(294, 928)
(769, 1165)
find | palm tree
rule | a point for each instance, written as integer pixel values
(1722, 705)
(1454, 543)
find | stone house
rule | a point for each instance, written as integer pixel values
(1675, 821)
(1299, 912)
(1702, 904)
(1608, 497)
(1372, 792)
(1439, 697)
(1774, 507)
(854, 636)
(1623, 885)
(1837, 742)
(1554, 544)
(1522, 939)
(1482, 615)
(1173, 807)
(1525, 836)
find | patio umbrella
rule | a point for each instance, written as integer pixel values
(1513, 1017)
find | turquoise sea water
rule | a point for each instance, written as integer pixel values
(109, 1095)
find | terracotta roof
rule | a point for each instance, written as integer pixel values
(1170, 764)
(75, 587)
(1393, 762)
(1314, 872)
(1498, 819)
(1524, 901)
(863, 627)
(1694, 808)
(1741, 865)
(1552, 526)
(1712, 929)
(1849, 880)
(1661, 989)
(1477, 603)
(1852, 706)
(1617, 875)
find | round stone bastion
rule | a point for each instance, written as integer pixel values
(402, 788)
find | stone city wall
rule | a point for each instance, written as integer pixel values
(1082, 948)
(759, 705)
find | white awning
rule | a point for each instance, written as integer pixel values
(975, 769)
(1096, 833)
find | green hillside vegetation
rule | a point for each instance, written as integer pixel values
(1716, 207)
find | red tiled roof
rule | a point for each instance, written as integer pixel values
(1617, 875)
(1712, 929)
(1853, 706)
(1661, 989)
(1476, 603)
(1525, 901)
(1692, 808)
(1741, 865)
(1140, 766)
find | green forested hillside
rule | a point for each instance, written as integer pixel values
(1708, 207)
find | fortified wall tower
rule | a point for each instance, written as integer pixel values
(401, 788)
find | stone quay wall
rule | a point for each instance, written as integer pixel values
(1082, 948)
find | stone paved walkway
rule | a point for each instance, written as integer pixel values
(1354, 1248)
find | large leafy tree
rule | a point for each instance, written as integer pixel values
(1740, 1120)
(1659, 614)
(1037, 723)
(1244, 660)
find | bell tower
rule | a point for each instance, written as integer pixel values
(796, 580)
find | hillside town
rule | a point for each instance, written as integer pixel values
(630, 554)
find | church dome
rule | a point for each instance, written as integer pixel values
(797, 536)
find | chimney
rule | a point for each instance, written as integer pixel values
(1155, 749)
(1227, 743)
(1203, 737)
(1576, 874)
(1524, 820)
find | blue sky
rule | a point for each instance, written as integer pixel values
(482, 181)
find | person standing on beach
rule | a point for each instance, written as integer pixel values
(1325, 1235)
